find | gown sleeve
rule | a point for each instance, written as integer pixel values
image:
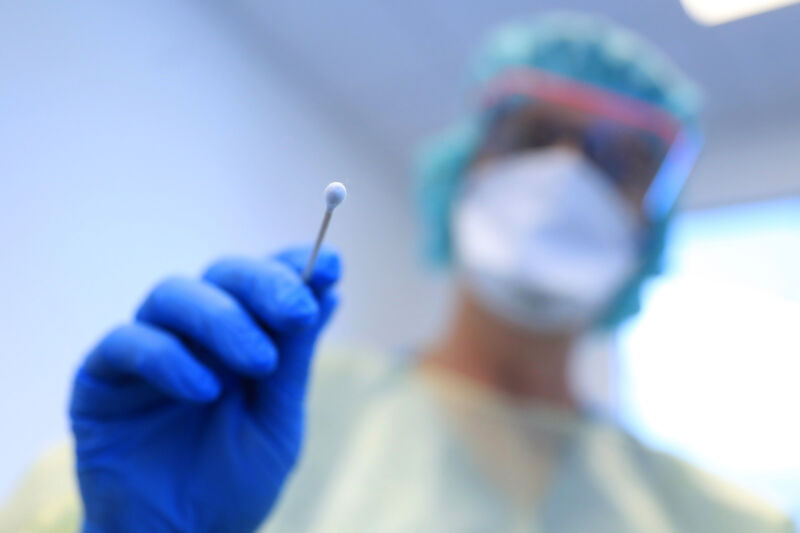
(46, 499)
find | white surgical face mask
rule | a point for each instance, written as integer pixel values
(543, 239)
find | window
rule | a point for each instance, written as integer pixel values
(710, 370)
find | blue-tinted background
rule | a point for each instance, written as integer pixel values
(144, 138)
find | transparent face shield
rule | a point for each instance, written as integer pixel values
(671, 177)
(646, 152)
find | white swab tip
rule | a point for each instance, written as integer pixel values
(335, 193)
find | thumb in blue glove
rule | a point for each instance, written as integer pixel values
(191, 418)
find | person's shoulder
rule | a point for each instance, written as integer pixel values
(350, 372)
(46, 500)
(345, 380)
(701, 501)
(362, 362)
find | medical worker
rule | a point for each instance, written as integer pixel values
(548, 203)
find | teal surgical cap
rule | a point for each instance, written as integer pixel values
(581, 47)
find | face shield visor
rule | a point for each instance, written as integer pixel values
(646, 152)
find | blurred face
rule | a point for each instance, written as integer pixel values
(628, 158)
(549, 223)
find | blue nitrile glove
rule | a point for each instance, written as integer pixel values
(190, 418)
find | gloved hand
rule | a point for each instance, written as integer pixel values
(190, 418)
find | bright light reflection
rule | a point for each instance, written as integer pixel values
(712, 12)
(711, 369)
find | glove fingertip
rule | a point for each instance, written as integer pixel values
(329, 265)
(327, 270)
(206, 388)
(328, 304)
(261, 360)
(299, 322)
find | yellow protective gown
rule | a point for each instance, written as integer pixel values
(392, 449)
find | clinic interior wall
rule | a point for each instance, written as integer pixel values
(140, 140)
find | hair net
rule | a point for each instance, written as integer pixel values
(582, 47)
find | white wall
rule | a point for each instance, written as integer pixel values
(141, 139)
